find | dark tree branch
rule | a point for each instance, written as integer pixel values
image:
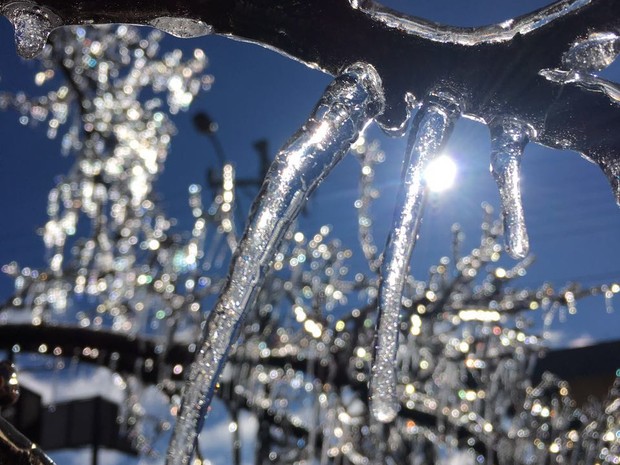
(496, 69)
(16, 449)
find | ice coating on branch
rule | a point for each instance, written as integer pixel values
(32, 25)
(16, 448)
(594, 53)
(502, 32)
(184, 28)
(508, 140)
(585, 80)
(31, 32)
(347, 106)
(432, 126)
(584, 58)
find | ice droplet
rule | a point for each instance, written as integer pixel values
(508, 140)
(32, 24)
(184, 28)
(431, 128)
(347, 106)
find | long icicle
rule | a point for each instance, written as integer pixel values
(432, 125)
(349, 103)
(508, 140)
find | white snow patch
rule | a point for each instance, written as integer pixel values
(84, 457)
(95, 383)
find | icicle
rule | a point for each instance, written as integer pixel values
(508, 140)
(347, 106)
(432, 125)
(32, 24)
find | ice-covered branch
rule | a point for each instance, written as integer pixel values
(17, 449)
(510, 69)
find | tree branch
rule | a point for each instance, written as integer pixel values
(497, 69)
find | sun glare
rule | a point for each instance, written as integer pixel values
(440, 174)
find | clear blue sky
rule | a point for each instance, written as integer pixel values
(573, 221)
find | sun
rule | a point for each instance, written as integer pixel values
(440, 174)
